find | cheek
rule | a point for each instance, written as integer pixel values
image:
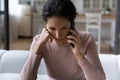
(65, 33)
(52, 32)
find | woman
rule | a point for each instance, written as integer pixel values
(68, 54)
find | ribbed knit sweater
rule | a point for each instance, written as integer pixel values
(61, 63)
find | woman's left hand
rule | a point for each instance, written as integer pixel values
(74, 39)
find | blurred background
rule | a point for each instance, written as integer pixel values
(25, 21)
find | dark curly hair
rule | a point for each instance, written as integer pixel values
(60, 8)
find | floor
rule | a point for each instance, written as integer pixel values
(20, 44)
(24, 44)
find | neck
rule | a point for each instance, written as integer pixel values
(61, 42)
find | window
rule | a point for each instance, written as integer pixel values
(105, 3)
(86, 3)
(1, 23)
(1, 5)
(114, 3)
(96, 3)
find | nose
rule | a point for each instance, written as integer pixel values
(58, 34)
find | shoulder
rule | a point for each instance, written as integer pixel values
(85, 36)
(88, 42)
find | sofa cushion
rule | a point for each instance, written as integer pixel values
(1, 53)
(13, 61)
(9, 76)
(110, 66)
(119, 66)
(16, 76)
(42, 68)
(42, 77)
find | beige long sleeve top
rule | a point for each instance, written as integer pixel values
(61, 63)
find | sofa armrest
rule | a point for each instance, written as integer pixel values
(1, 53)
(110, 66)
(12, 61)
(119, 66)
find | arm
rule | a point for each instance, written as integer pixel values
(89, 60)
(91, 64)
(29, 71)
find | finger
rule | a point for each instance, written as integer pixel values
(50, 35)
(43, 30)
(72, 38)
(74, 32)
(37, 37)
(71, 41)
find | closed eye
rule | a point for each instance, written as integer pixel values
(51, 28)
(64, 28)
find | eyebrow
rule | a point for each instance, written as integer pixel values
(62, 27)
(51, 27)
(66, 26)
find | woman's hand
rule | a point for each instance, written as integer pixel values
(74, 39)
(41, 40)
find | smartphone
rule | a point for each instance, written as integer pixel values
(71, 27)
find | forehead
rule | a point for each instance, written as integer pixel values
(57, 21)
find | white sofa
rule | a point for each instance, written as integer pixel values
(11, 63)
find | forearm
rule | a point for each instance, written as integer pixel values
(91, 72)
(29, 71)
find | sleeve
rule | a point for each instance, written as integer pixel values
(30, 68)
(91, 64)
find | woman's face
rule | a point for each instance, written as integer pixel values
(58, 27)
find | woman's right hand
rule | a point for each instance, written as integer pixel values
(41, 40)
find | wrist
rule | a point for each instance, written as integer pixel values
(80, 57)
(37, 49)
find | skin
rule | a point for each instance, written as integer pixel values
(57, 28)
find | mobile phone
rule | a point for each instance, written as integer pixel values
(69, 33)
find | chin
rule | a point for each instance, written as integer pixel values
(60, 39)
